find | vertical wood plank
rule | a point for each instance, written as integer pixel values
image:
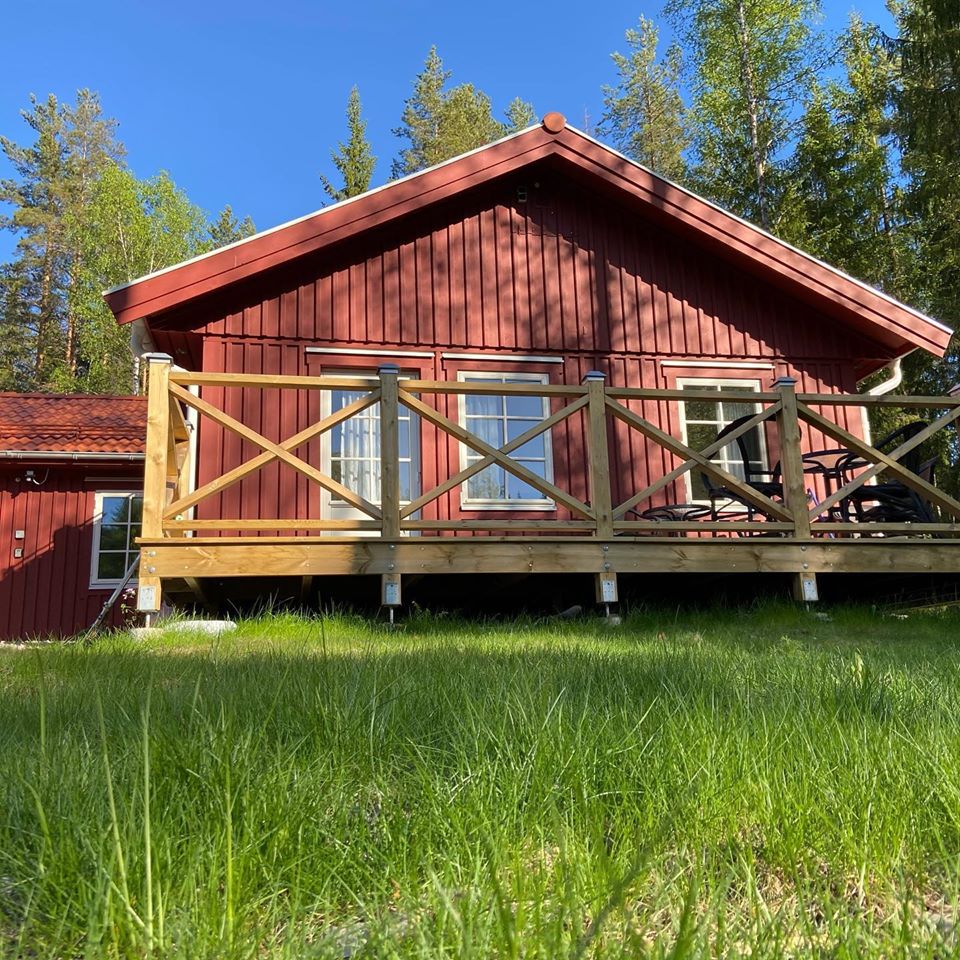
(389, 451)
(598, 455)
(791, 462)
(154, 472)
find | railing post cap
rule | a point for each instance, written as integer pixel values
(954, 391)
(157, 357)
(388, 368)
(594, 375)
(785, 382)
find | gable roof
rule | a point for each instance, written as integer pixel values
(832, 292)
(72, 423)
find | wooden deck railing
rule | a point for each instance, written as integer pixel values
(596, 524)
(168, 506)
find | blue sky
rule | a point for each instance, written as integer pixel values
(242, 101)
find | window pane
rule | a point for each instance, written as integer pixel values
(405, 489)
(734, 411)
(490, 431)
(110, 566)
(116, 509)
(535, 449)
(525, 407)
(518, 489)
(700, 435)
(483, 405)
(487, 485)
(113, 538)
(136, 511)
(516, 427)
(701, 410)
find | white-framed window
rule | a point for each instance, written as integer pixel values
(497, 419)
(116, 524)
(350, 451)
(701, 422)
(355, 448)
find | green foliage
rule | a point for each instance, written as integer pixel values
(354, 159)
(84, 223)
(227, 229)
(644, 114)
(520, 115)
(714, 784)
(752, 63)
(926, 96)
(130, 228)
(440, 123)
(849, 204)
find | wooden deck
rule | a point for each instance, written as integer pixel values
(587, 534)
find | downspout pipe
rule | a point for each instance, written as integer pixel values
(895, 369)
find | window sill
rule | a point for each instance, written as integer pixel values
(540, 506)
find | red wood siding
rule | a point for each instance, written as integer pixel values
(566, 274)
(47, 592)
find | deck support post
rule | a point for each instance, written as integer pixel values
(155, 476)
(389, 451)
(390, 593)
(605, 585)
(794, 484)
(598, 458)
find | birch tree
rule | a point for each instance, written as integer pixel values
(751, 64)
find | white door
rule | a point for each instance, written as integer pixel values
(350, 454)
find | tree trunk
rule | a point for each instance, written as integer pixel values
(753, 114)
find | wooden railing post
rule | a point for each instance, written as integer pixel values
(389, 451)
(155, 471)
(601, 499)
(794, 483)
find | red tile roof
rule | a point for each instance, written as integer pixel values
(72, 423)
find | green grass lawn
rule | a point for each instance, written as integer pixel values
(762, 783)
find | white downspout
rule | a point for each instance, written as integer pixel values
(885, 386)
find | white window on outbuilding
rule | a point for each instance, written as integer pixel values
(116, 525)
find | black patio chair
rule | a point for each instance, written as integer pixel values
(892, 501)
(766, 482)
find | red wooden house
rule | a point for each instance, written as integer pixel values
(71, 479)
(494, 283)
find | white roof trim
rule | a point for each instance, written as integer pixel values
(315, 213)
(719, 364)
(803, 253)
(501, 357)
(412, 176)
(350, 352)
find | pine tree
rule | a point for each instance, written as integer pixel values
(441, 123)
(354, 159)
(226, 229)
(520, 115)
(83, 223)
(38, 194)
(925, 95)
(753, 63)
(644, 114)
(845, 170)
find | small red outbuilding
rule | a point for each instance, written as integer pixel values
(71, 475)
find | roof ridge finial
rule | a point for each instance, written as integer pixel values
(554, 122)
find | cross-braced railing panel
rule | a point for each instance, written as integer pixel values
(592, 411)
